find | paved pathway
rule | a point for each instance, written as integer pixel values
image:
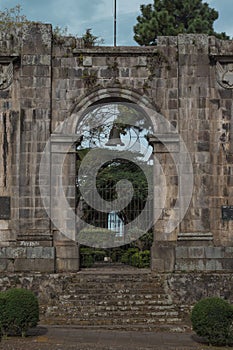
(71, 338)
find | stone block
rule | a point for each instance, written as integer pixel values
(182, 252)
(190, 265)
(157, 265)
(142, 61)
(227, 264)
(4, 225)
(3, 264)
(196, 253)
(164, 251)
(228, 252)
(34, 265)
(16, 253)
(2, 253)
(106, 73)
(210, 265)
(44, 265)
(87, 61)
(214, 252)
(34, 252)
(48, 253)
(124, 72)
(67, 265)
(67, 251)
(28, 60)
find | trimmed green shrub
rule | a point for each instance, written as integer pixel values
(212, 319)
(126, 257)
(96, 236)
(88, 256)
(19, 311)
(99, 255)
(136, 258)
(141, 259)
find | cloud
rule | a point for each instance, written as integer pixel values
(224, 21)
(78, 15)
(102, 22)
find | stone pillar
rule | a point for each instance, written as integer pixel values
(35, 119)
(194, 125)
(166, 194)
(63, 193)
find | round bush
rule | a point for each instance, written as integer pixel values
(212, 319)
(19, 311)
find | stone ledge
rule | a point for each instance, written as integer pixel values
(195, 239)
(204, 265)
(27, 252)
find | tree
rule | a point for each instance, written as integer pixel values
(172, 17)
(91, 40)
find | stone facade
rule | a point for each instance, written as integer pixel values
(44, 80)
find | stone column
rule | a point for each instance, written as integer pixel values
(63, 193)
(166, 194)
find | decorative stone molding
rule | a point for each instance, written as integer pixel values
(195, 238)
(6, 75)
(225, 74)
(165, 143)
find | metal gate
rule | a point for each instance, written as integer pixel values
(130, 158)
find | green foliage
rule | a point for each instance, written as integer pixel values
(141, 259)
(134, 257)
(172, 17)
(88, 256)
(212, 319)
(106, 183)
(11, 18)
(91, 40)
(19, 310)
(135, 254)
(127, 256)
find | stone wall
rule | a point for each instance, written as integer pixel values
(46, 80)
(134, 300)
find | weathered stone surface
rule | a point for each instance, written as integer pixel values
(163, 256)
(120, 300)
(185, 79)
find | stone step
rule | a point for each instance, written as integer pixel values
(113, 282)
(108, 322)
(113, 300)
(105, 295)
(114, 305)
(175, 328)
(115, 310)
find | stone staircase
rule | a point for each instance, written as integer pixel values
(114, 298)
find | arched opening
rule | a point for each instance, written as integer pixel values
(114, 182)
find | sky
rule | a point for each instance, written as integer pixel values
(78, 15)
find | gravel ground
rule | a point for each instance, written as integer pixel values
(70, 338)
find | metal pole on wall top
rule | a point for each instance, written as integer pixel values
(114, 22)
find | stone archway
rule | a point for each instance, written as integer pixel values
(164, 143)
